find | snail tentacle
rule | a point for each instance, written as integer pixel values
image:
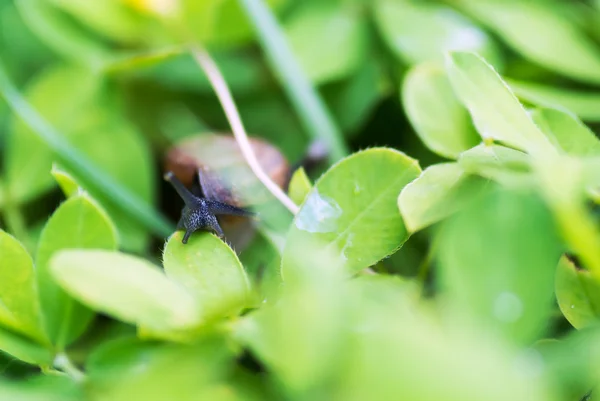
(188, 198)
(220, 208)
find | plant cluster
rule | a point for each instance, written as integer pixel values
(449, 248)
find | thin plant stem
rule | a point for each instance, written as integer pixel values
(64, 364)
(218, 83)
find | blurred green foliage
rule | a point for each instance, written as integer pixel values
(449, 249)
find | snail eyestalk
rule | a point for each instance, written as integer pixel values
(200, 213)
(183, 192)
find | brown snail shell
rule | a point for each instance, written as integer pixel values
(225, 169)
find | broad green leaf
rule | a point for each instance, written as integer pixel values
(353, 100)
(22, 50)
(541, 34)
(300, 336)
(499, 163)
(210, 270)
(490, 254)
(113, 19)
(77, 223)
(564, 181)
(262, 261)
(94, 124)
(243, 73)
(586, 105)
(571, 363)
(440, 120)
(300, 186)
(66, 182)
(400, 351)
(24, 349)
(126, 287)
(28, 160)
(19, 302)
(268, 114)
(578, 294)
(440, 191)
(418, 32)
(352, 209)
(570, 135)
(129, 369)
(496, 112)
(63, 36)
(567, 132)
(42, 388)
(340, 32)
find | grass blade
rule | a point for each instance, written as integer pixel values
(73, 160)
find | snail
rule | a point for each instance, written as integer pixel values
(211, 175)
(213, 167)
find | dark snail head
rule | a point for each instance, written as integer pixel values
(200, 213)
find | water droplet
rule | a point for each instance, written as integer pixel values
(572, 306)
(319, 214)
(508, 307)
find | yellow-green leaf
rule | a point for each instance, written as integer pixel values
(78, 223)
(126, 287)
(210, 270)
(352, 209)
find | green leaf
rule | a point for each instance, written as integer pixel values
(24, 349)
(586, 105)
(491, 253)
(28, 159)
(571, 363)
(19, 302)
(398, 350)
(578, 294)
(499, 163)
(496, 112)
(300, 186)
(298, 337)
(262, 261)
(418, 32)
(93, 124)
(352, 209)
(210, 270)
(341, 33)
(72, 158)
(244, 74)
(541, 34)
(59, 32)
(440, 191)
(440, 120)
(354, 100)
(42, 388)
(112, 18)
(66, 182)
(78, 223)
(126, 287)
(129, 369)
(567, 132)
